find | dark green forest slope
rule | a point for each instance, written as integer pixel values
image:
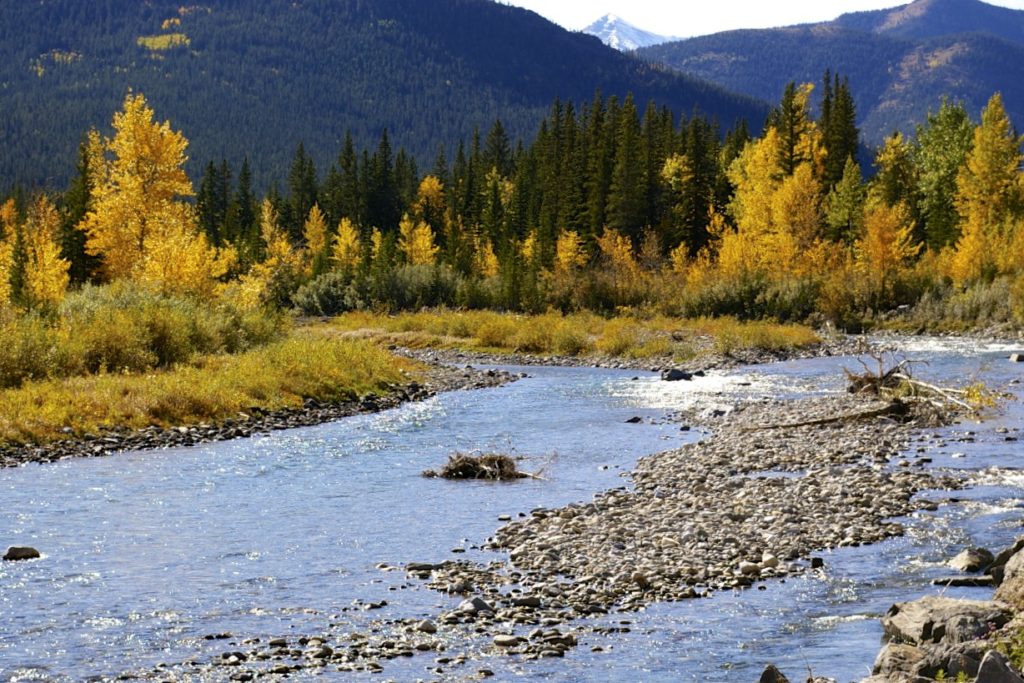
(900, 62)
(256, 79)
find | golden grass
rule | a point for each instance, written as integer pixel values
(276, 376)
(578, 334)
(165, 41)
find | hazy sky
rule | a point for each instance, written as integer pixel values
(684, 18)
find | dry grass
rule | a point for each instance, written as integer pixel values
(276, 376)
(580, 334)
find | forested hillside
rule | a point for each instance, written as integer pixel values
(256, 79)
(901, 62)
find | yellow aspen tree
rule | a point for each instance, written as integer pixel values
(314, 231)
(429, 206)
(139, 196)
(266, 280)
(485, 261)
(569, 253)
(46, 273)
(416, 242)
(618, 251)
(796, 207)
(347, 248)
(989, 195)
(885, 249)
(756, 175)
(376, 243)
(8, 218)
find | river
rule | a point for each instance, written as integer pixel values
(145, 554)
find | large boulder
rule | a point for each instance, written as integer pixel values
(952, 660)
(1011, 588)
(15, 553)
(972, 560)
(937, 619)
(897, 658)
(996, 669)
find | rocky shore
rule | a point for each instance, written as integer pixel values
(775, 483)
(438, 378)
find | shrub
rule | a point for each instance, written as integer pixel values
(332, 293)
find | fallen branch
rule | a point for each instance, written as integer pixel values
(893, 408)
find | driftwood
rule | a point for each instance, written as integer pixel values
(893, 408)
(490, 466)
(898, 381)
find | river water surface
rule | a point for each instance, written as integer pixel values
(144, 554)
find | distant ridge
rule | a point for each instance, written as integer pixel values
(901, 62)
(257, 78)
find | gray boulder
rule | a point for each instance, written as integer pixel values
(475, 605)
(952, 660)
(972, 560)
(996, 669)
(937, 619)
(897, 658)
(1017, 357)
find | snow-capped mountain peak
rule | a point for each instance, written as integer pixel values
(616, 32)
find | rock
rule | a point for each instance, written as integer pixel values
(749, 568)
(636, 419)
(676, 375)
(772, 675)
(972, 560)
(996, 669)
(935, 619)
(422, 567)
(769, 560)
(475, 605)
(965, 581)
(526, 601)
(897, 658)
(15, 553)
(426, 626)
(1011, 588)
(1017, 357)
(507, 640)
(817, 562)
(952, 660)
(998, 567)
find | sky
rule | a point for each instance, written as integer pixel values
(685, 18)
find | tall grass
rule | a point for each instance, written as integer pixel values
(120, 329)
(578, 334)
(279, 375)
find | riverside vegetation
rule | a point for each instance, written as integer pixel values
(123, 288)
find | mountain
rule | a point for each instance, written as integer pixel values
(256, 79)
(618, 33)
(900, 62)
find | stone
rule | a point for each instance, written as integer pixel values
(676, 375)
(772, 675)
(935, 619)
(426, 626)
(422, 567)
(475, 605)
(507, 640)
(817, 562)
(1017, 357)
(15, 553)
(952, 660)
(635, 420)
(749, 568)
(996, 669)
(1011, 588)
(897, 658)
(972, 560)
(769, 560)
(526, 601)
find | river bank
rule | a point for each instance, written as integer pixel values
(436, 379)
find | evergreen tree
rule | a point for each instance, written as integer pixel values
(941, 146)
(303, 193)
(840, 135)
(76, 204)
(626, 192)
(498, 150)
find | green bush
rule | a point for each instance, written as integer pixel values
(333, 293)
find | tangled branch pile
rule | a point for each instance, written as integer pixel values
(491, 466)
(897, 383)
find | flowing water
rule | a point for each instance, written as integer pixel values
(144, 554)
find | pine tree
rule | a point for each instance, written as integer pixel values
(303, 193)
(940, 148)
(76, 204)
(845, 213)
(840, 135)
(626, 195)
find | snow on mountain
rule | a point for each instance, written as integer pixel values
(618, 33)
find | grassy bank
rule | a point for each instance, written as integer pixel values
(580, 334)
(210, 388)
